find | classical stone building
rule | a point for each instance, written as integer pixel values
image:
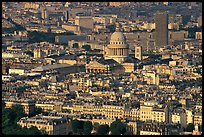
(95, 66)
(117, 49)
(115, 57)
(104, 66)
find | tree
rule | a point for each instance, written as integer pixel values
(103, 130)
(87, 128)
(128, 133)
(10, 117)
(190, 127)
(17, 113)
(95, 126)
(77, 126)
(33, 131)
(117, 128)
(6, 118)
(75, 45)
(87, 47)
(80, 129)
(35, 111)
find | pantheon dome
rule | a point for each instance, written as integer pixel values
(117, 48)
(117, 36)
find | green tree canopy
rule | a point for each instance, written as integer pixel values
(33, 131)
(117, 128)
(35, 112)
(10, 117)
(95, 126)
(17, 112)
(87, 128)
(77, 126)
(190, 127)
(103, 130)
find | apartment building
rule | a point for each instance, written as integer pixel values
(197, 120)
(153, 129)
(109, 111)
(50, 125)
(179, 117)
(150, 111)
(28, 105)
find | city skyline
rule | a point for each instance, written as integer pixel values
(102, 68)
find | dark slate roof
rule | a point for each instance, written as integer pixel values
(94, 54)
(107, 62)
(111, 61)
(166, 61)
(102, 61)
(63, 56)
(131, 60)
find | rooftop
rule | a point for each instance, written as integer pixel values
(49, 67)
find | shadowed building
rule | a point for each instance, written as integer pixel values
(161, 39)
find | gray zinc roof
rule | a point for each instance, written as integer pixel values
(48, 67)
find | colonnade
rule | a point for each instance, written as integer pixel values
(96, 70)
(118, 51)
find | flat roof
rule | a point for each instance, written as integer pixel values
(48, 67)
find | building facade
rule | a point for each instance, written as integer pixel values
(161, 39)
(138, 52)
(50, 125)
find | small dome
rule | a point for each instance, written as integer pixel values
(117, 36)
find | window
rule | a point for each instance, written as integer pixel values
(170, 36)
